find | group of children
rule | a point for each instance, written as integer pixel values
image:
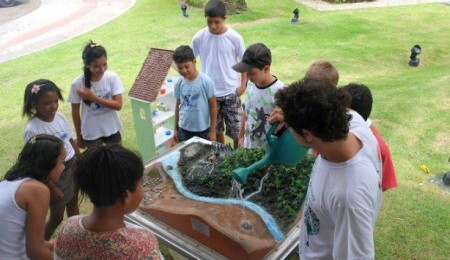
(209, 102)
(50, 170)
(353, 164)
(352, 168)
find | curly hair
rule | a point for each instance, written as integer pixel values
(37, 158)
(105, 172)
(361, 99)
(316, 106)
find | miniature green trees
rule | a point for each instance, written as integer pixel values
(283, 190)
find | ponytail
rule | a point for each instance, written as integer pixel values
(91, 52)
(87, 82)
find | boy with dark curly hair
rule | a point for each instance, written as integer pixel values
(344, 193)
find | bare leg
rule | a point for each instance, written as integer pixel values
(56, 217)
(72, 208)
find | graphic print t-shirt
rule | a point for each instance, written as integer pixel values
(194, 113)
(259, 103)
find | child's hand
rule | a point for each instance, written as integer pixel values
(50, 245)
(56, 194)
(277, 116)
(80, 142)
(86, 93)
(175, 136)
(212, 136)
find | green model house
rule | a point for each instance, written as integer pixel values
(153, 103)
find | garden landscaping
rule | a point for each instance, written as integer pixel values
(279, 189)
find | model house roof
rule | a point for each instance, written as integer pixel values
(152, 75)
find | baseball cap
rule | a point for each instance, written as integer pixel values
(256, 55)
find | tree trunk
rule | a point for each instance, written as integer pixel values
(235, 6)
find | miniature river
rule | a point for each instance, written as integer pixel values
(172, 171)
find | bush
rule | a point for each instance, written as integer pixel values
(196, 3)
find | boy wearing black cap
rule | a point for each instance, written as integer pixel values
(259, 97)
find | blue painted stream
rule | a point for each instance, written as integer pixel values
(170, 167)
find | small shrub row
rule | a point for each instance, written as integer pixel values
(282, 194)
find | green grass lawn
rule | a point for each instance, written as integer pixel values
(369, 46)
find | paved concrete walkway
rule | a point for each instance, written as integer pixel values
(325, 6)
(56, 21)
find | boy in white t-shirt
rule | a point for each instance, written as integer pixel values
(344, 193)
(219, 48)
(259, 97)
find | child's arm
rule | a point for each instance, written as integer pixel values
(242, 131)
(77, 124)
(36, 200)
(240, 90)
(115, 103)
(213, 114)
(56, 193)
(177, 117)
(75, 147)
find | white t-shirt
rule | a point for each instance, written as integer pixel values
(59, 127)
(98, 121)
(342, 203)
(359, 127)
(218, 53)
(12, 219)
(259, 103)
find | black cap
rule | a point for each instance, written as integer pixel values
(256, 55)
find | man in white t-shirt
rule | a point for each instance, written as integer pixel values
(344, 193)
(219, 48)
